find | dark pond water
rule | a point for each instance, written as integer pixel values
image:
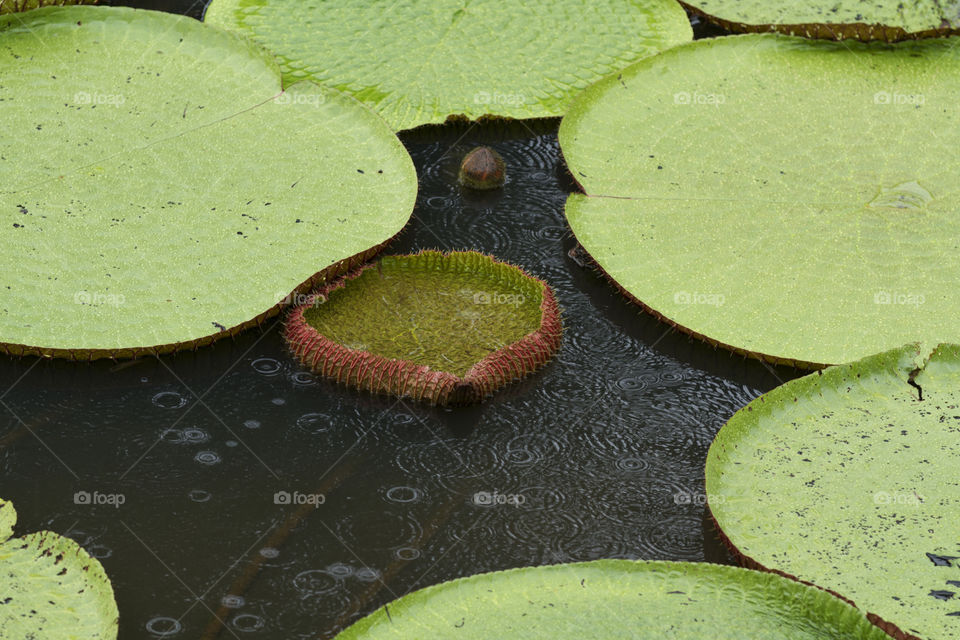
(599, 455)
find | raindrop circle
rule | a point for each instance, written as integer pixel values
(99, 551)
(671, 376)
(232, 602)
(404, 494)
(340, 570)
(269, 552)
(631, 463)
(313, 422)
(279, 401)
(521, 456)
(552, 232)
(439, 202)
(195, 435)
(266, 366)
(163, 626)
(303, 379)
(631, 384)
(247, 622)
(366, 574)
(407, 553)
(252, 424)
(673, 537)
(207, 457)
(199, 495)
(169, 400)
(315, 581)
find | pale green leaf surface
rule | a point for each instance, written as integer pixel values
(417, 63)
(787, 198)
(846, 479)
(50, 588)
(157, 187)
(618, 599)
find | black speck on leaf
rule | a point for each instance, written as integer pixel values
(941, 561)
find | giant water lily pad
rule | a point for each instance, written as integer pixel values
(769, 193)
(159, 190)
(50, 588)
(417, 63)
(837, 19)
(442, 328)
(618, 599)
(848, 479)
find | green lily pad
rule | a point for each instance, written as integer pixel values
(888, 20)
(848, 479)
(50, 588)
(618, 599)
(417, 63)
(445, 328)
(159, 191)
(15, 6)
(794, 221)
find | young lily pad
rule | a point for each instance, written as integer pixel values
(417, 63)
(795, 221)
(445, 328)
(618, 599)
(888, 20)
(50, 588)
(158, 190)
(847, 479)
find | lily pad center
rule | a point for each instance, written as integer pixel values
(432, 310)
